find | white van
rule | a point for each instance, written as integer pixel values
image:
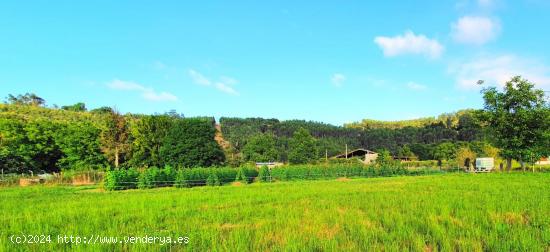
(485, 164)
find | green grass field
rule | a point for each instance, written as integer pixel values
(467, 212)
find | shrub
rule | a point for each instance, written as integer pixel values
(213, 179)
(121, 179)
(263, 174)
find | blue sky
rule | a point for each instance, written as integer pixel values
(329, 61)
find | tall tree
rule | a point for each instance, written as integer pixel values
(303, 148)
(260, 148)
(26, 99)
(190, 143)
(148, 135)
(115, 137)
(519, 119)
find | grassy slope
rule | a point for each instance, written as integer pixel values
(445, 212)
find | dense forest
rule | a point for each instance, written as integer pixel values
(404, 139)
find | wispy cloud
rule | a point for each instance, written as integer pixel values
(224, 84)
(409, 43)
(338, 79)
(497, 70)
(475, 30)
(199, 78)
(415, 86)
(147, 93)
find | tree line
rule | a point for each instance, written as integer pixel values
(514, 125)
(36, 138)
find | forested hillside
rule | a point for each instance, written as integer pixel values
(411, 138)
(36, 138)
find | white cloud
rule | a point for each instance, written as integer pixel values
(409, 43)
(338, 79)
(162, 96)
(416, 86)
(475, 30)
(497, 70)
(199, 78)
(225, 83)
(147, 93)
(224, 87)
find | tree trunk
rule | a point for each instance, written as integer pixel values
(116, 157)
(508, 164)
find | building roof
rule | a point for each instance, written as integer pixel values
(356, 152)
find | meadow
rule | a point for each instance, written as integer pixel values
(443, 212)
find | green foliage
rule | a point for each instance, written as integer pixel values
(317, 172)
(384, 158)
(121, 179)
(115, 138)
(190, 143)
(264, 174)
(519, 119)
(444, 151)
(80, 145)
(148, 134)
(155, 177)
(213, 179)
(302, 147)
(245, 175)
(78, 107)
(29, 99)
(260, 148)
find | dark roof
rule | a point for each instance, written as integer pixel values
(356, 152)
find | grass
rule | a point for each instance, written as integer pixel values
(467, 212)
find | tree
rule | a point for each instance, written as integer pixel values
(80, 144)
(302, 147)
(26, 99)
(148, 134)
(444, 151)
(519, 120)
(190, 143)
(115, 138)
(102, 110)
(406, 153)
(384, 157)
(78, 107)
(260, 148)
(465, 157)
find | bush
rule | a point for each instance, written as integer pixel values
(155, 177)
(121, 179)
(263, 174)
(213, 179)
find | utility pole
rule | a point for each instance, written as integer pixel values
(326, 155)
(346, 151)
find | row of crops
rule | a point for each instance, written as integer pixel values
(190, 177)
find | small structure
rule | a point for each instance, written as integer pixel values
(484, 164)
(366, 156)
(268, 164)
(543, 161)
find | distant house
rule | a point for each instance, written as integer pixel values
(543, 161)
(366, 156)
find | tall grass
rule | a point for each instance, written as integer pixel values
(449, 212)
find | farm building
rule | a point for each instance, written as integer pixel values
(544, 161)
(366, 156)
